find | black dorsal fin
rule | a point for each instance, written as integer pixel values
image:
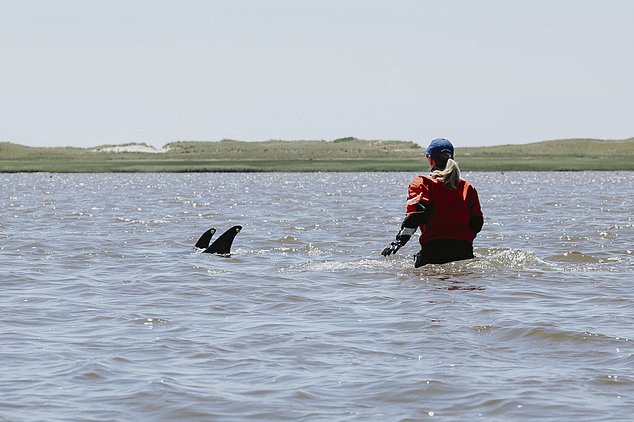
(222, 245)
(203, 242)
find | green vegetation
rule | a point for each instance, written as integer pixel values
(346, 154)
(564, 147)
(566, 154)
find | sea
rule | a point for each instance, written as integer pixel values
(108, 313)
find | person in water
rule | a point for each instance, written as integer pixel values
(445, 207)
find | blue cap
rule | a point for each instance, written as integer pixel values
(439, 146)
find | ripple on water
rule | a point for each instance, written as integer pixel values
(507, 258)
(575, 257)
(614, 380)
(339, 266)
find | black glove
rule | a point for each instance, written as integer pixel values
(393, 247)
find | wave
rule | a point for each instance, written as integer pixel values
(575, 257)
(334, 266)
(613, 379)
(547, 334)
(507, 258)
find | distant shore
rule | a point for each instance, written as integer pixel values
(341, 155)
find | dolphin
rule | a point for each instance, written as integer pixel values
(204, 240)
(222, 245)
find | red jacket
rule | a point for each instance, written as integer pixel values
(448, 210)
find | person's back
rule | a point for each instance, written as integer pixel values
(449, 211)
(445, 207)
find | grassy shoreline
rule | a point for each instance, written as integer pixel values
(344, 155)
(470, 164)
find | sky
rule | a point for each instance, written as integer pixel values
(489, 72)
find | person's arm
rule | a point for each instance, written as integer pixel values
(417, 206)
(476, 219)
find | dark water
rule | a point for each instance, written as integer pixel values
(108, 314)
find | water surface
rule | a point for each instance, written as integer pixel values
(109, 314)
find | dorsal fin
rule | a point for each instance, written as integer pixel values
(222, 245)
(203, 242)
